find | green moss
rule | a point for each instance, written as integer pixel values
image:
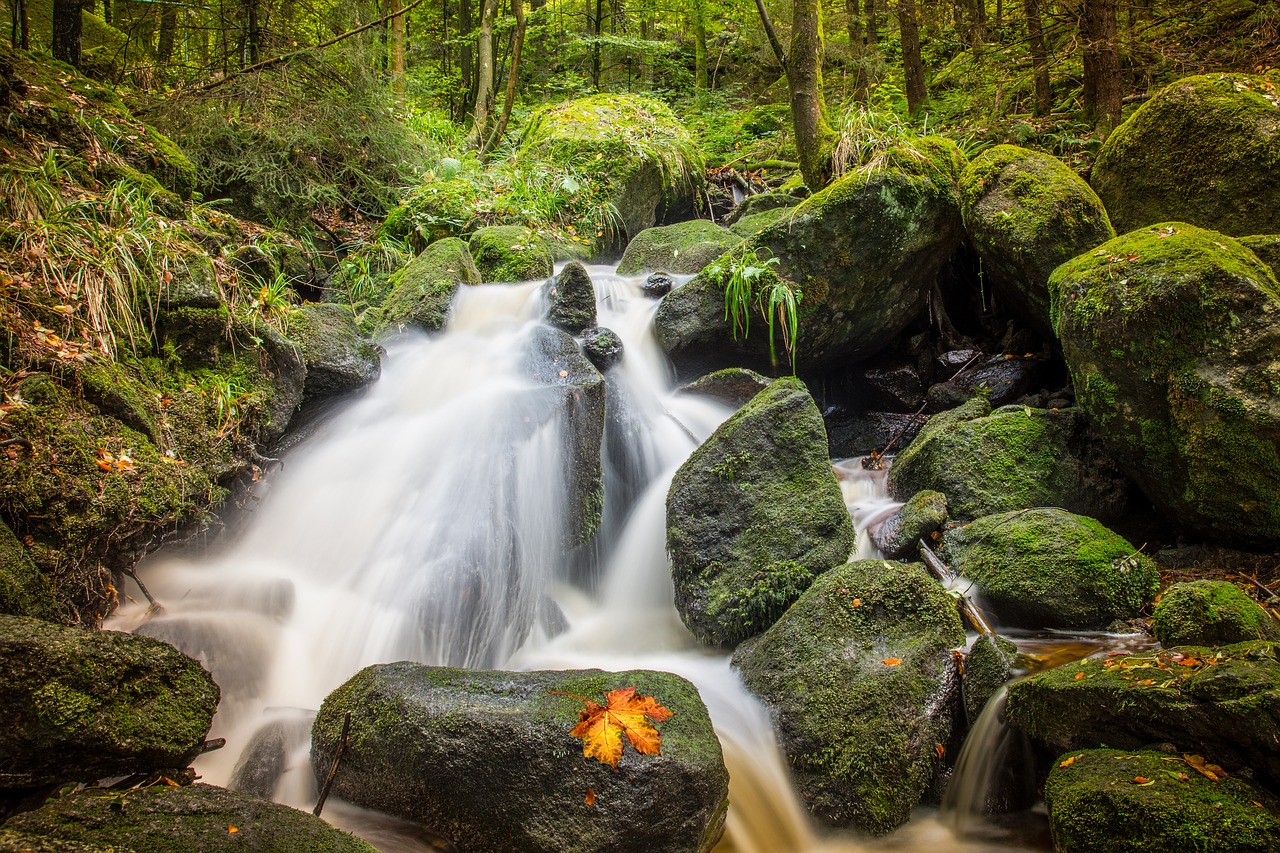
(421, 293)
(165, 161)
(683, 248)
(510, 253)
(1210, 613)
(24, 591)
(753, 223)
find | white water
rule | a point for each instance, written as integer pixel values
(425, 524)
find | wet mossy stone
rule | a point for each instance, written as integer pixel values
(486, 759)
(16, 841)
(1210, 613)
(1013, 458)
(753, 224)
(733, 386)
(1027, 212)
(754, 515)
(571, 299)
(164, 819)
(761, 203)
(657, 285)
(1171, 334)
(635, 147)
(861, 680)
(338, 357)
(684, 248)
(81, 705)
(510, 253)
(422, 292)
(988, 666)
(1048, 568)
(861, 256)
(1267, 248)
(1203, 150)
(24, 591)
(922, 515)
(1222, 703)
(1097, 805)
(552, 358)
(602, 347)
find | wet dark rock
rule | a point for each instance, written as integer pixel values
(657, 285)
(953, 360)
(571, 299)
(733, 386)
(900, 534)
(24, 590)
(857, 434)
(895, 388)
(987, 667)
(944, 396)
(422, 292)
(602, 346)
(266, 755)
(338, 357)
(999, 379)
(486, 759)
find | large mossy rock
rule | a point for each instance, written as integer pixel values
(1097, 804)
(1221, 703)
(81, 705)
(862, 255)
(1027, 212)
(1210, 613)
(754, 515)
(510, 253)
(1015, 457)
(486, 759)
(1267, 248)
(338, 357)
(571, 299)
(1047, 568)
(163, 819)
(421, 293)
(1171, 335)
(1204, 150)
(861, 679)
(552, 358)
(684, 248)
(633, 147)
(900, 534)
(24, 591)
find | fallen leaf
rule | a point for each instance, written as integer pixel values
(891, 661)
(1142, 781)
(1068, 762)
(940, 749)
(231, 830)
(1079, 675)
(591, 797)
(625, 711)
(1211, 771)
(564, 373)
(857, 602)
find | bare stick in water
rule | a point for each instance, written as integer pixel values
(333, 768)
(972, 613)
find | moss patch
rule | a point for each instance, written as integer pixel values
(510, 253)
(683, 248)
(1210, 613)
(421, 293)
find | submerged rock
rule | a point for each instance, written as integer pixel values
(82, 705)
(571, 299)
(1210, 613)
(1098, 805)
(861, 679)
(1203, 150)
(510, 253)
(337, 356)
(1015, 457)
(1216, 702)
(163, 819)
(657, 285)
(754, 515)
(1027, 212)
(421, 293)
(486, 759)
(1171, 335)
(987, 667)
(1048, 568)
(683, 248)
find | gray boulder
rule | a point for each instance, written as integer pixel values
(571, 299)
(683, 248)
(337, 356)
(733, 386)
(487, 760)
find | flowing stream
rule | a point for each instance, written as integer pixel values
(425, 522)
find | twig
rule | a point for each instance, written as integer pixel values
(151, 599)
(333, 768)
(1271, 596)
(971, 612)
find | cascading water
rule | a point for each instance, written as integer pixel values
(427, 523)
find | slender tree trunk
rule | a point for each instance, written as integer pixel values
(21, 25)
(66, 31)
(873, 25)
(699, 9)
(517, 6)
(397, 48)
(106, 12)
(1039, 56)
(253, 32)
(595, 45)
(168, 29)
(815, 139)
(468, 57)
(772, 34)
(1102, 85)
(484, 75)
(912, 65)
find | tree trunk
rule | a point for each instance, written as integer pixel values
(1039, 56)
(774, 41)
(857, 49)
(468, 57)
(484, 75)
(912, 65)
(517, 6)
(253, 32)
(168, 29)
(699, 45)
(66, 31)
(106, 11)
(815, 139)
(397, 48)
(873, 26)
(1102, 85)
(595, 45)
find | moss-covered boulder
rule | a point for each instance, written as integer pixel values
(684, 248)
(1048, 568)
(861, 679)
(1267, 248)
(571, 299)
(754, 515)
(860, 257)
(1222, 703)
(1210, 613)
(988, 666)
(1015, 457)
(24, 591)
(510, 253)
(81, 705)
(163, 819)
(1171, 334)
(421, 293)
(899, 535)
(1203, 150)
(1108, 801)
(338, 357)
(752, 224)
(486, 759)
(761, 203)
(733, 386)
(634, 146)
(1026, 212)
(441, 207)
(552, 358)
(602, 347)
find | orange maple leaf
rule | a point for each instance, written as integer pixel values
(625, 711)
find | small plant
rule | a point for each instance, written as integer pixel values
(229, 397)
(750, 281)
(274, 301)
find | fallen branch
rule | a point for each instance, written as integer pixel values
(946, 576)
(333, 768)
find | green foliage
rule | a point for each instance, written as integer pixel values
(750, 282)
